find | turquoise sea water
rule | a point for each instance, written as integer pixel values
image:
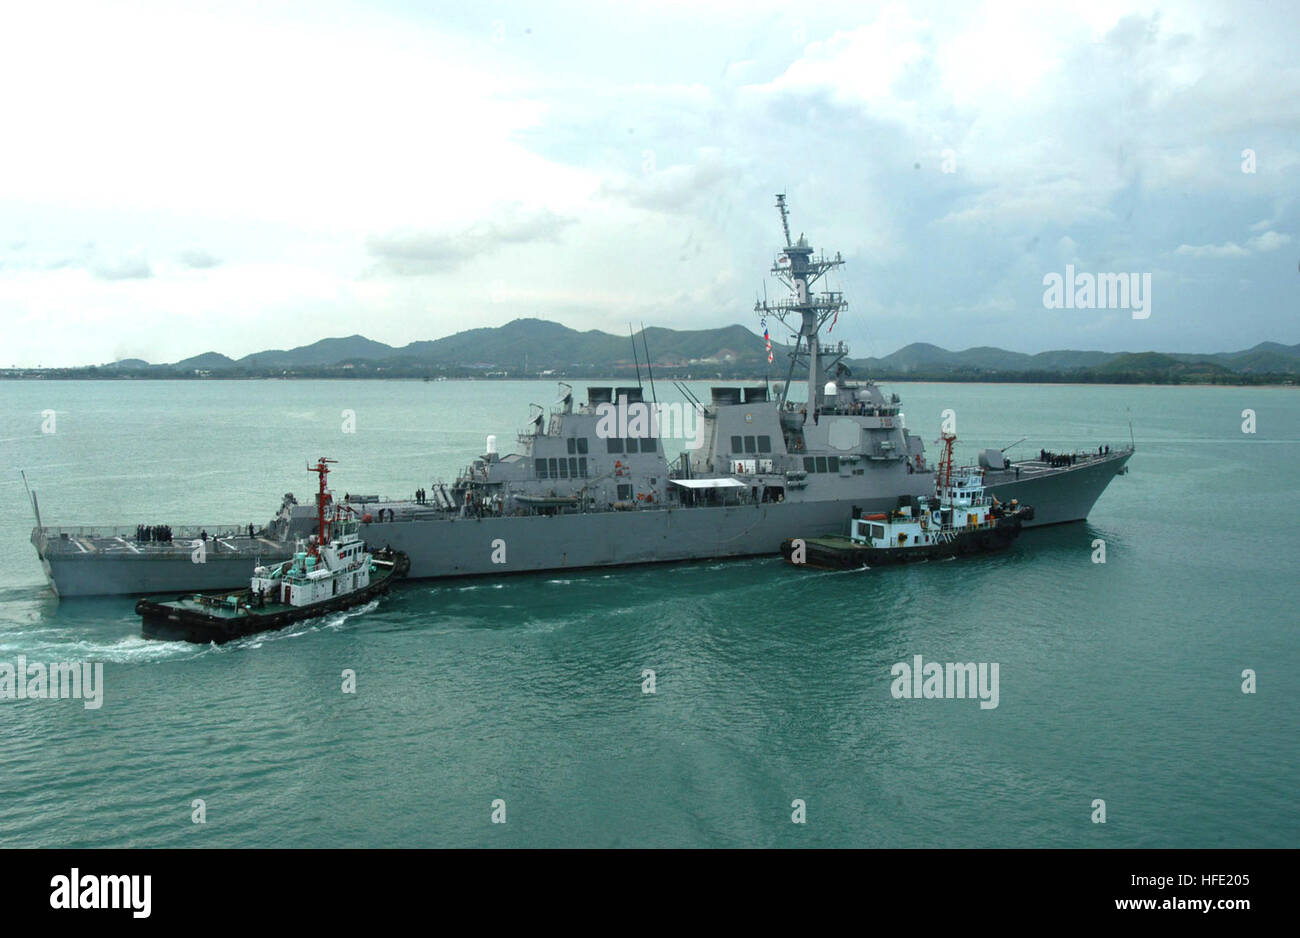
(1118, 681)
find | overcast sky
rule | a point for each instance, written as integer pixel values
(177, 178)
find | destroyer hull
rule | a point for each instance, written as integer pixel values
(493, 546)
(1058, 496)
(73, 575)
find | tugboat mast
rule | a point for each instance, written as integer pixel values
(799, 270)
(943, 478)
(323, 498)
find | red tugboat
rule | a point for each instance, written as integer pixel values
(961, 519)
(331, 570)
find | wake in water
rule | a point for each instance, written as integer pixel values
(330, 623)
(54, 642)
(67, 644)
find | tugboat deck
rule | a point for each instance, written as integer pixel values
(226, 611)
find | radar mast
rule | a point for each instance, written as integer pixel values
(805, 312)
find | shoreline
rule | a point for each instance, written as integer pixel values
(1272, 382)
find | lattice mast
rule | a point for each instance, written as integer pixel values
(805, 312)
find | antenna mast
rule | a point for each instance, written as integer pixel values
(799, 270)
(636, 360)
(648, 369)
(322, 469)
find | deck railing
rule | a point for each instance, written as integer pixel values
(128, 532)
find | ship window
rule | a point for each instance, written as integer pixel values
(821, 463)
(832, 464)
(765, 444)
(572, 444)
(736, 444)
(573, 467)
(564, 468)
(631, 444)
(582, 467)
(877, 530)
(624, 493)
(749, 444)
(555, 472)
(613, 444)
(809, 465)
(582, 445)
(541, 468)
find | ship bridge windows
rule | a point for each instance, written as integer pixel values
(572, 467)
(577, 444)
(751, 444)
(630, 444)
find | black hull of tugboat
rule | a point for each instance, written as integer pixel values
(842, 554)
(165, 622)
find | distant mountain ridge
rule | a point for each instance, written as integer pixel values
(541, 348)
(539, 345)
(538, 342)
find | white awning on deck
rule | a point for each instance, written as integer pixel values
(709, 483)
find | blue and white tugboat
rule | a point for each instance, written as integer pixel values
(961, 519)
(330, 570)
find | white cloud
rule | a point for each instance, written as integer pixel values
(1268, 241)
(410, 252)
(1227, 249)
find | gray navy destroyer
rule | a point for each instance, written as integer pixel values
(592, 484)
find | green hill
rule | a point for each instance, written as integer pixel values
(531, 346)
